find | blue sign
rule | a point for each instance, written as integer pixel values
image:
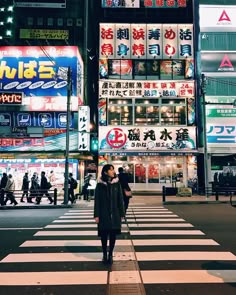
(38, 76)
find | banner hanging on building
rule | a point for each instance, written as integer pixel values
(141, 41)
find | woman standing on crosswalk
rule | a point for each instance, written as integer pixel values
(108, 209)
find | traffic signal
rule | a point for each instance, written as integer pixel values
(94, 144)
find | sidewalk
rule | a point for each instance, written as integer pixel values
(136, 200)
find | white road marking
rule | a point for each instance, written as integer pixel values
(166, 232)
(185, 255)
(175, 242)
(53, 278)
(188, 276)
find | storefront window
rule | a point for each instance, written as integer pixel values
(140, 173)
(173, 112)
(146, 112)
(120, 112)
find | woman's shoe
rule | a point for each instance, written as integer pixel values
(110, 259)
(104, 258)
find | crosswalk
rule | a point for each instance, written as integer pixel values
(173, 256)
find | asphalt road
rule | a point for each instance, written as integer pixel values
(216, 221)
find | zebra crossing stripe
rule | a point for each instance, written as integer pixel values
(165, 232)
(185, 255)
(53, 278)
(188, 276)
(70, 243)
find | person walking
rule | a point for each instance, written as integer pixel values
(9, 189)
(124, 182)
(108, 210)
(3, 184)
(25, 188)
(44, 185)
(85, 191)
(34, 188)
(72, 186)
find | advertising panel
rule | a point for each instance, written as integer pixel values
(36, 119)
(216, 18)
(51, 143)
(218, 62)
(41, 3)
(120, 3)
(11, 98)
(146, 41)
(220, 123)
(44, 34)
(84, 128)
(118, 89)
(38, 71)
(144, 3)
(127, 139)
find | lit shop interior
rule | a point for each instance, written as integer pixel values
(153, 172)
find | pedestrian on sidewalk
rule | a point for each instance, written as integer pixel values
(85, 191)
(3, 184)
(9, 189)
(124, 182)
(25, 188)
(108, 209)
(44, 186)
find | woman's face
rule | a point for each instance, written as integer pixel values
(111, 172)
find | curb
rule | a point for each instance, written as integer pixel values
(35, 207)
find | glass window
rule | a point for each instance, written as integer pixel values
(173, 111)
(140, 173)
(147, 111)
(119, 112)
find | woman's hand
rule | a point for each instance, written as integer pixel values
(97, 219)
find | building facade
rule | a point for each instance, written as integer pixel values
(147, 114)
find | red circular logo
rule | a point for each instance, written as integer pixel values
(116, 138)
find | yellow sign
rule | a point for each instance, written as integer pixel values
(44, 34)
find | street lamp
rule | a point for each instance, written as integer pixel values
(67, 150)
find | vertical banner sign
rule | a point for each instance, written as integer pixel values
(185, 35)
(107, 37)
(170, 41)
(83, 128)
(154, 41)
(138, 41)
(122, 49)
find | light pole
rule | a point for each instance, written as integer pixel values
(203, 90)
(67, 150)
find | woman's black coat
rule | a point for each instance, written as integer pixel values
(108, 205)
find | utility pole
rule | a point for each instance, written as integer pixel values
(203, 92)
(67, 150)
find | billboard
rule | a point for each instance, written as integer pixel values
(144, 3)
(123, 89)
(218, 62)
(40, 71)
(44, 34)
(129, 139)
(41, 3)
(217, 18)
(142, 41)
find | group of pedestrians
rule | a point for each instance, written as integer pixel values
(33, 188)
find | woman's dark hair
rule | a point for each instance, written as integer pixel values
(104, 171)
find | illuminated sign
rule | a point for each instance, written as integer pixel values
(10, 98)
(141, 41)
(144, 3)
(51, 143)
(217, 18)
(40, 71)
(45, 103)
(41, 3)
(219, 62)
(122, 138)
(119, 89)
(121, 4)
(84, 128)
(44, 34)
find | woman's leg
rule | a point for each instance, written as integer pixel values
(112, 242)
(104, 238)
